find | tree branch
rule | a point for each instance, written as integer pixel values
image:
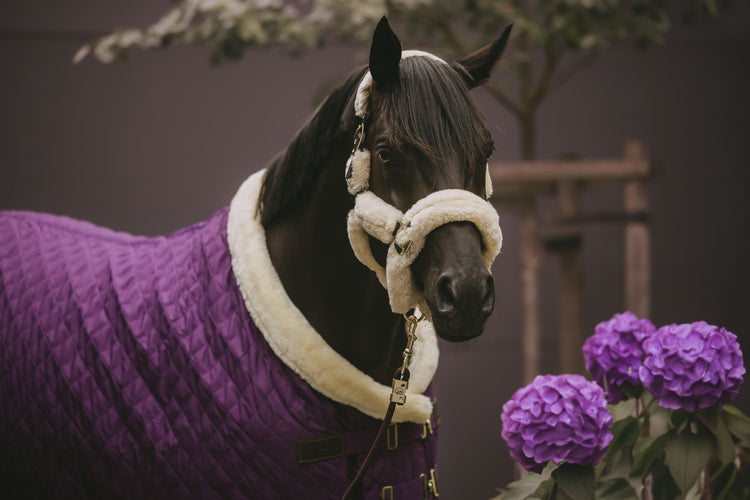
(564, 74)
(504, 99)
(524, 70)
(446, 30)
(542, 86)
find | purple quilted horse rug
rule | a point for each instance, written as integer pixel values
(176, 367)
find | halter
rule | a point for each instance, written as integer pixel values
(405, 233)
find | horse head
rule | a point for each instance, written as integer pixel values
(423, 134)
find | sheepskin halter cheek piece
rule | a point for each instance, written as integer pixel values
(405, 233)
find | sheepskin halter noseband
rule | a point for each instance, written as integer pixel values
(405, 233)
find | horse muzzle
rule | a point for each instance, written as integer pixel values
(458, 287)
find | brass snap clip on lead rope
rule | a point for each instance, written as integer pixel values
(411, 336)
(401, 382)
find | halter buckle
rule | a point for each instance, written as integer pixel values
(359, 136)
(403, 249)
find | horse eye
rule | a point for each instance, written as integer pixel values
(384, 155)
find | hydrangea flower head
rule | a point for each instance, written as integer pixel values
(557, 417)
(613, 354)
(692, 366)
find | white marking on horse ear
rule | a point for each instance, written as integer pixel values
(487, 182)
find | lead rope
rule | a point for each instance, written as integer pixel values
(398, 397)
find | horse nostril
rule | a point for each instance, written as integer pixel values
(488, 302)
(445, 295)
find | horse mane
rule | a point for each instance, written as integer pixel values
(296, 168)
(431, 111)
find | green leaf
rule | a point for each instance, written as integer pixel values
(528, 485)
(658, 419)
(738, 424)
(614, 467)
(642, 444)
(679, 420)
(576, 481)
(663, 486)
(625, 433)
(649, 401)
(616, 489)
(722, 481)
(623, 409)
(642, 462)
(630, 390)
(714, 421)
(686, 455)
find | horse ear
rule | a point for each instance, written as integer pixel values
(385, 55)
(480, 63)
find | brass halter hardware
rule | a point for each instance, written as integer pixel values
(401, 381)
(359, 136)
(411, 335)
(359, 139)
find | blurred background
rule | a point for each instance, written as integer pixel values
(165, 139)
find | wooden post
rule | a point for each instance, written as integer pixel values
(531, 259)
(637, 239)
(570, 301)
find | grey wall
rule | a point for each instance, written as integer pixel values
(164, 140)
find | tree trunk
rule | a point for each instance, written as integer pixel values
(531, 259)
(527, 130)
(571, 284)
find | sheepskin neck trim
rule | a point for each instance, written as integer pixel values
(405, 233)
(296, 342)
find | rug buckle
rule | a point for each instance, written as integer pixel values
(386, 493)
(430, 485)
(427, 428)
(392, 437)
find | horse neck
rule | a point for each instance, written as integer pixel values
(340, 297)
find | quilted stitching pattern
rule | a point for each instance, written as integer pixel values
(129, 368)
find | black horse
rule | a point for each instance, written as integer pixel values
(428, 136)
(249, 356)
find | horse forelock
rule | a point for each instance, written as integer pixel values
(432, 112)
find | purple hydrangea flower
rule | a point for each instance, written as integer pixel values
(692, 366)
(613, 354)
(557, 417)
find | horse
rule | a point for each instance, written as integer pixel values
(249, 355)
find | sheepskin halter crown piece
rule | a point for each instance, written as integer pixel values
(405, 233)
